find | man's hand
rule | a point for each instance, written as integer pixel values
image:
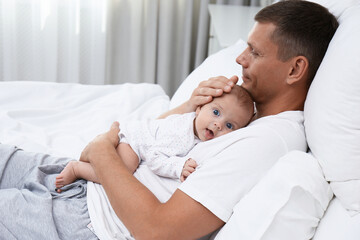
(204, 93)
(189, 167)
(187, 218)
(98, 146)
(207, 90)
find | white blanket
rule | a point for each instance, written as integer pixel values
(60, 119)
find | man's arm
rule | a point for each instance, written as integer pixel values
(180, 217)
(204, 93)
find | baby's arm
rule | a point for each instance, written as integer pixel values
(189, 167)
(171, 167)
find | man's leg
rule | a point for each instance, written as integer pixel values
(29, 204)
(18, 166)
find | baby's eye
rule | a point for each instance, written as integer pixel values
(229, 125)
(216, 112)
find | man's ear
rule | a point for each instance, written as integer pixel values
(299, 68)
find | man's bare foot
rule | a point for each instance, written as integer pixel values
(67, 176)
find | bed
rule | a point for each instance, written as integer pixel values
(314, 195)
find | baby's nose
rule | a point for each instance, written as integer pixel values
(218, 125)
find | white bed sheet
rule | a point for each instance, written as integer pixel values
(60, 119)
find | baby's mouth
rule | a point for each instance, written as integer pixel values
(209, 134)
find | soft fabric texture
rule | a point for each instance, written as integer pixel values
(161, 143)
(332, 111)
(235, 154)
(29, 206)
(60, 119)
(338, 64)
(287, 203)
(232, 164)
(106, 224)
(337, 224)
(103, 218)
(336, 7)
(38, 124)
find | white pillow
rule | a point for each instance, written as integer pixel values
(332, 111)
(287, 203)
(336, 7)
(337, 224)
(222, 63)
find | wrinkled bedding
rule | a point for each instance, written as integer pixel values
(60, 119)
(57, 119)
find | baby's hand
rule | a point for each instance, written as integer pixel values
(189, 168)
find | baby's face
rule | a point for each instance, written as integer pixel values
(221, 116)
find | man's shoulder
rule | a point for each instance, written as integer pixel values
(289, 120)
(288, 126)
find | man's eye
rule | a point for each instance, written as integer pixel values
(229, 125)
(216, 112)
(254, 53)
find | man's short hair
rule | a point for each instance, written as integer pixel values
(302, 29)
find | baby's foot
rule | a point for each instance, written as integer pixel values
(67, 176)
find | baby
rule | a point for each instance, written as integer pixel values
(164, 143)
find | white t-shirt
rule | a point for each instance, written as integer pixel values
(229, 166)
(161, 143)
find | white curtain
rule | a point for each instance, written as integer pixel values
(104, 41)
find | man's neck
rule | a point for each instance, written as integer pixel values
(263, 110)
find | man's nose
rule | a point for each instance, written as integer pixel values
(241, 59)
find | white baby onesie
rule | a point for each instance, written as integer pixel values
(161, 143)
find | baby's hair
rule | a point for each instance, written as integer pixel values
(244, 99)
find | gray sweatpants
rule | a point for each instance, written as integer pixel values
(29, 206)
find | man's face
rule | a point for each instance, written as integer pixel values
(264, 75)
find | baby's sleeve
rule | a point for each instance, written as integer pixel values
(165, 166)
(173, 139)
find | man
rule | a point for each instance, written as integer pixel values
(285, 48)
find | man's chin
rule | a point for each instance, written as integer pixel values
(245, 85)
